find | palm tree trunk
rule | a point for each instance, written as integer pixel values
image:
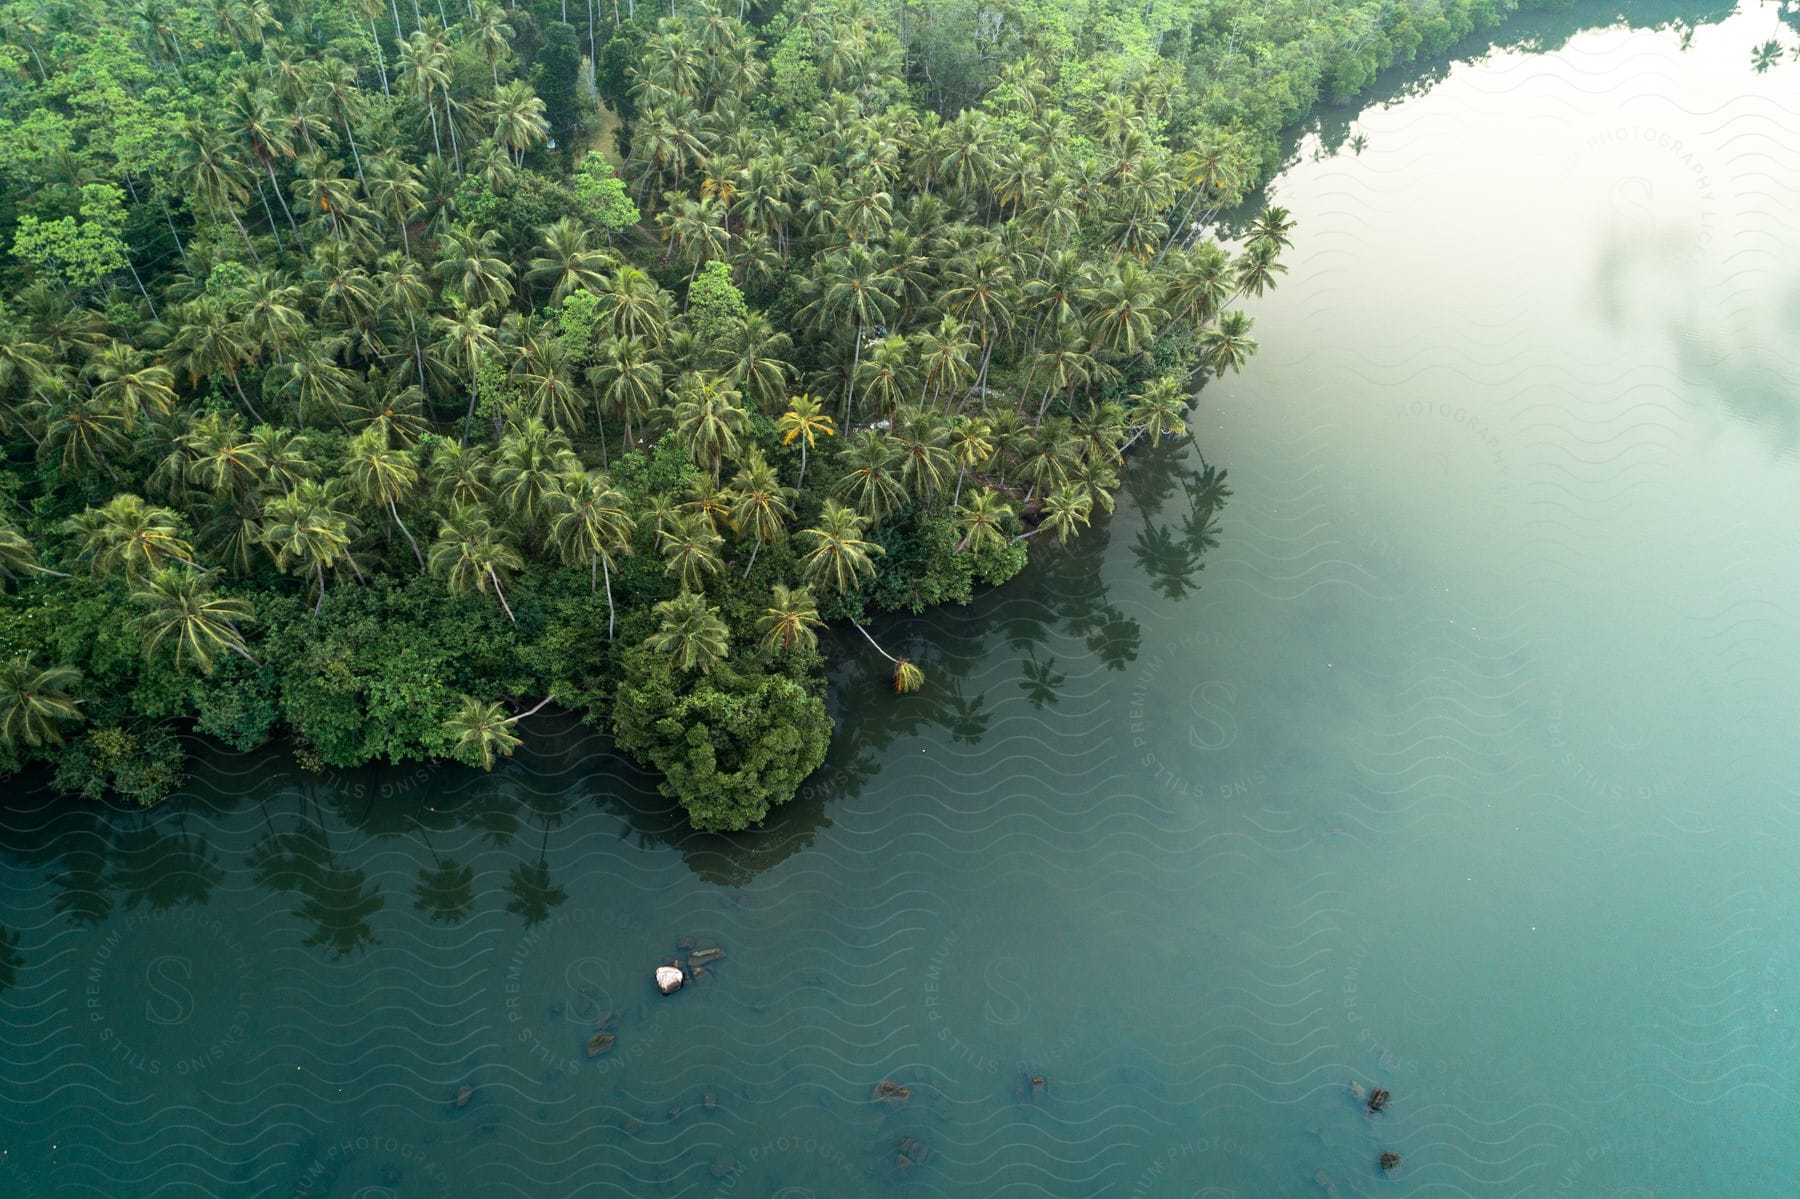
(270, 213)
(281, 199)
(470, 418)
(501, 595)
(802, 482)
(607, 572)
(957, 498)
(395, 513)
(455, 146)
(987, 353)
(351, 138)
(531, 711)
(170, 218)
(754, 546)
(600, 420)
(850, 395)
(249, 407)
(319, 570)
(380, 58)
(140, 283)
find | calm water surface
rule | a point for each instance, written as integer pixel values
(1453, 753)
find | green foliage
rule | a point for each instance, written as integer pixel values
(600, 195)
(83, 250)
(715, 305)
(731, 744)
(141, 763)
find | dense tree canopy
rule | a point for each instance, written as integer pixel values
(369, 373)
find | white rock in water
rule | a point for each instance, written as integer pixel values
(668, 979)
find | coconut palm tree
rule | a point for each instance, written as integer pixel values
(460, 341)
(529, 464)
(628, 378)
(473, 555)
(125, 380)
(593, 525)
(1227, 345)
(709, 421)
(381, 477)
(791, 621)
(131, 536)
(1159, 410)
(691, 634)
(467, 261)
(871, 480)
(179, 605)
(804, 421)
(518, 118)
(309, 535)
(567, 262)
(1066, 509)
(761, 506)
(690, 549)
(480, 731)
(983, 521)
(839, 558)
(970, 446)
(34, 702)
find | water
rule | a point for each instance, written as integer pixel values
(1460, 766)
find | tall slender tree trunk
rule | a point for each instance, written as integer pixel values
(455, 146)
(354, 153)
(140, 285)
(501, 595)
(755, 545)
(607, 572)
(380, 57)
(850, 393)
(600, 420)
(470, 418)
(802, 482)
(281, 199)
(395, 513)
(170, 218)
(319, 570)
(270, 213)
(248, 406)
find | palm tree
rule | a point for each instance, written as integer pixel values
(636, 306)
(629, 378)
(472, 554)
(791, 620)
(461, 341)
(969, 446)
(855, 289)
(983, 522)
(481, 729)
(1159, 410)
(34, 702)
(804, 421)
(709, 421)
(518, 118)
(128, 534)
(180, 605)
(1127, 310)
(1066, 509)
(757, 367)
(1257, 269)
(381, 477)
(127, 382)
(925, 461)
(690, 549)
(529, 465)
(309, 535)
(762, 505)
(869, 481)
(839, 557)
(1227, 345)
(467, 260)
(691, 634)
(568, 262)
(394, 188)
(593, 525)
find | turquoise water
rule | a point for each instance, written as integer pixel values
(1451, 753)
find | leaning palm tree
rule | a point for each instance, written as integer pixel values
(1227, 345)
(1066, 509)
(691, 634)
(473, 555)
(839, 557)
(481, 730)
(131, 536)
(791, 620)
(179, 606)
(709, 421)
(34, 702)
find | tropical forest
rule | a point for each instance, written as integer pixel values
(377, 373)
